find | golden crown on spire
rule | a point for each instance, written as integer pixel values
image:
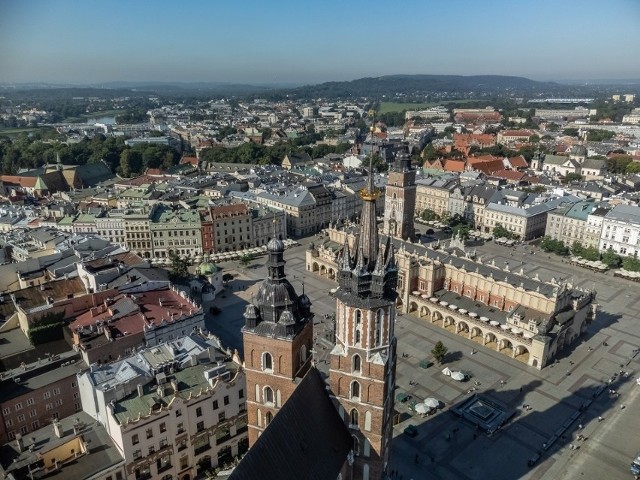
(372, 195)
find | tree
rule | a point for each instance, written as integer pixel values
(429, 215)
(599, 135)
(571, 132)
(462, 230)
(130, 163)
(558, 247)
(571, 177)
(179, 267)
(500, 232)
(245, 260)
(632, 168)
(631, 264)
(439, 352)
(429, 153)
(611, 259)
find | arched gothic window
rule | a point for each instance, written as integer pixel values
(267, 418)
(379, 317)
(268, 395)
(267, 361)
(355, 367)
(353, 418)
(358, 315)
(355, 390)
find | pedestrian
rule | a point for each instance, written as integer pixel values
(520, 389)
(622, 407)
(600, 418)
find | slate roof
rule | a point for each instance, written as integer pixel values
(307, 439)
(92, 174)
(625, 213)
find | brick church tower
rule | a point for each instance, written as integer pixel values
(363, 361)
(400, 199)
(277, 337)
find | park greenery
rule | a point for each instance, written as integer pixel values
(38, 149)
(253, 153)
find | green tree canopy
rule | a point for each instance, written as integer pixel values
(439, 352)
(500, 232)
(429, 215)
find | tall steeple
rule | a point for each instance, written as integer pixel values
(368, 244)
(278, 341)
(363, 361)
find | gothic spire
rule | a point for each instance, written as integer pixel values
(368, 239)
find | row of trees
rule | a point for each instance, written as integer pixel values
(254, 153)
(28, 152)
(608, 257)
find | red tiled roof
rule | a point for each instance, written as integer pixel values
(518, 162)
(150, 308)
(489, 167)
(517, 133)
(454, 166)
(28, 182)
(227, 210)
(190, 160)
(509, 174)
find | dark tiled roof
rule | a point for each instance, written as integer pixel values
(307, 439)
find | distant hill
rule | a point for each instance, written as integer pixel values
(391, 85)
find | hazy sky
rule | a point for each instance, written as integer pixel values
(258, 41)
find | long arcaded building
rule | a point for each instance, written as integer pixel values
(495, 306)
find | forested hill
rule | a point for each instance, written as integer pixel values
(392, 85)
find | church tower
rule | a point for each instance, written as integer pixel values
(363, 361)
(277, 337)
(400, 199)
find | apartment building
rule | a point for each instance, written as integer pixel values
(526, 220)
(175, 231)
(137, 235)
(230, 227)
(621, 230)
(470, 202)
(174, 410)
(569, 223)
(118, 323)
(34, 394)
(111, 227)
(434, 194)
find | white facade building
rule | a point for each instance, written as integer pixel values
(621, 230)
(172, 411)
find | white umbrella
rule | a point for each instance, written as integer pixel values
(447, 371)
(459, 376)
(421, 408)
(432, 402)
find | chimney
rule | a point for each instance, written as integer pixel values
(57, 428)
(174, 385)
(20, 442)
(193, 360)
(140, 390)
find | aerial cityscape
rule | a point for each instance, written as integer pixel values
(343, 240)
